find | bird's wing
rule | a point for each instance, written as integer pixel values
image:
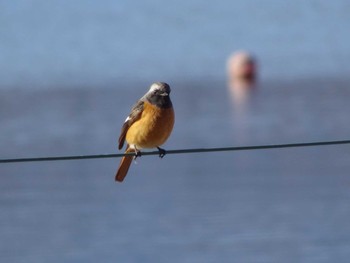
(134, 115)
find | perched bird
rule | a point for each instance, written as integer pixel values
(148, 125)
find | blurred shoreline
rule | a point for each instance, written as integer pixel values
(128, 84)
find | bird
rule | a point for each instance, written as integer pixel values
(148, 125)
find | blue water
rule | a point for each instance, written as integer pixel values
(70, 72)
(48, 44)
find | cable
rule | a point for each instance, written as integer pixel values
(181, 151)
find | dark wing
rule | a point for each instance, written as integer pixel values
(134, 115)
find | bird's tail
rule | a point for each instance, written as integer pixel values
(124, 165)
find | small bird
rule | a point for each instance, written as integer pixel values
(148, 125)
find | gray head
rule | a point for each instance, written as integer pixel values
(160, 88)
(158, 95)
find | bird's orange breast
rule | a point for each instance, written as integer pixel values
(153, 128)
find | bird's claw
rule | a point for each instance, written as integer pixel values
(137, 154)
(162, 152)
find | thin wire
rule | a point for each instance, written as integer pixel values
(180, 151)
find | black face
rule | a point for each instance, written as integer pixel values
(160, 92)
(159, 95)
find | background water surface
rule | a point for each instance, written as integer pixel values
(69, 74)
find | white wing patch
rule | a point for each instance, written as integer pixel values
(127, 119)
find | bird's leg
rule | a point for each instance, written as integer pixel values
(137, 153)
(162, 152)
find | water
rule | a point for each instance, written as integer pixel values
(265, 206)
(92, 43)
(68, 90)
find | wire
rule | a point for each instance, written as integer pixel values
(181, 151)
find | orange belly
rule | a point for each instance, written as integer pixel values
(153, 128)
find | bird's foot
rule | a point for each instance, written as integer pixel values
(137, 154)
(162, 152)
